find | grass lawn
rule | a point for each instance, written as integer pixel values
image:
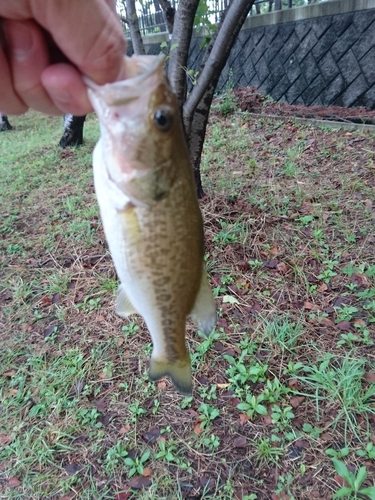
(284, 388)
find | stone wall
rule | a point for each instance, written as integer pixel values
(318, 54)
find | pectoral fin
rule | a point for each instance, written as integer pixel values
(124, 307)
(204, 311)
(178, 371)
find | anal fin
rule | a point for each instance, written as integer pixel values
(124, 307)
(204, 310)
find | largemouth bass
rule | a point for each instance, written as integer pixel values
(150, 213)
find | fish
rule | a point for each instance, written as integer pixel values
(148, 205)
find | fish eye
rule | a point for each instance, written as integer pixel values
(163, 119)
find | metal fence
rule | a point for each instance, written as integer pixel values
(151, 17)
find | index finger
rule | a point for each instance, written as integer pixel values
(89, 33)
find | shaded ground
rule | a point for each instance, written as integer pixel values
(250, 99)
(288, 374)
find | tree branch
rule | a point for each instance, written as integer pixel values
(226, 35)
(169, 13)
(182, 32)
(135, 34)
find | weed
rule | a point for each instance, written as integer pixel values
(136, 465)
(341, 383)
(267, 450)
(282, 417)
(354, 482)
(207, 414)
(253, 405)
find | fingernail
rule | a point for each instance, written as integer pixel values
(20, 39)
(61, 97)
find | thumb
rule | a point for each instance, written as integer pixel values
(88, 33)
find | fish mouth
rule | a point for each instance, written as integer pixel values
(144, 74)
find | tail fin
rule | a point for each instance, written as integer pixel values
(178, 371)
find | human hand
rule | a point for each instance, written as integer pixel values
(46, 46)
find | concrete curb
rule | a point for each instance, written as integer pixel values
(324, 123)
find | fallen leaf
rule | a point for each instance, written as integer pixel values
(340, 480)
(295, 401)
(228, 299)
(152, 435)
(326, 436)
(72, 469)
(281, 496)
(344, 326)
(281, 267)
(101, 406)
(359, 322)
(369, 377)
(100, 318)
(124, 429)
(274, 251)
(161, 385)
(56, 298)
(301, 443)
(223, 386)
(108, 418)
(240, 442)
(139, 482)
(218, 346)
(14, 482)
(5, 439)
(198, 428)
(310, 306)
(123, 495)
(368, 204)
(46, 301)
(293, 383)
(270, 264)
(49, 331)
(322, 288)
(267, 419)
(208, 483)
(244, 418)
(147, 472)
(327, 322)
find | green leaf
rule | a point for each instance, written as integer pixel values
(370, 492)
(243, 406)
(228, 299)
(360, 478)
(342, 492)
(341, 469)
(331, 452)
(261, 409)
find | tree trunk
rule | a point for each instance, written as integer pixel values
(4, 123)
(132, 18)
(169, 14)
(197, 107)
(181, 37)
(73, 131)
